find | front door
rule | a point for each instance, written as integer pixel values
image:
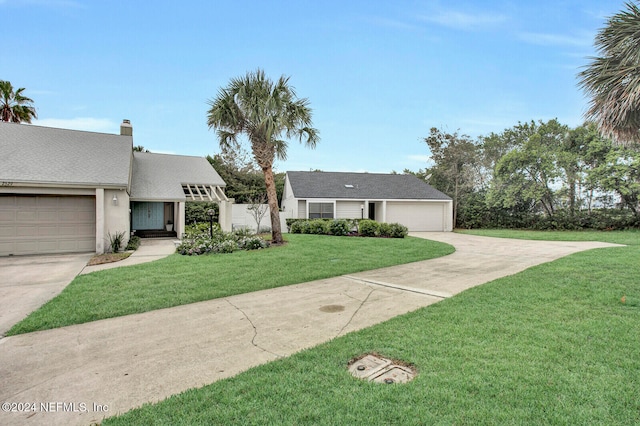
(372, 211)
(147, 216)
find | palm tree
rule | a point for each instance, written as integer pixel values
(612, 79)
(14, 106)
(264, 111)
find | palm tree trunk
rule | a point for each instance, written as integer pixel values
(274, 210)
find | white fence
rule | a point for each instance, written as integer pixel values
(242, 217)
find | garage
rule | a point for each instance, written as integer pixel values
(42, 224)
(418, 216)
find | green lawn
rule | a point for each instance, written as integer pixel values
(620, 237)
(551, 345)
(178, 280)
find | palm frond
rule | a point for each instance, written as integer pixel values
(612, 80)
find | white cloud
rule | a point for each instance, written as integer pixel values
(465, 21)
(395, 24)
(89, 124)
(546, 39)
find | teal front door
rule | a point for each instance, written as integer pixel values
(147, 216)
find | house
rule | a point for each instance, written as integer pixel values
(389, 198)
(67, 191)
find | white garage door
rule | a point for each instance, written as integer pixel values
(417, 216)
(38, 224)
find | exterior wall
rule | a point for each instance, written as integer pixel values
(243, 218)
(225, 218)
(115, 216)
(350, 209)
(289, 202)
(302, 209)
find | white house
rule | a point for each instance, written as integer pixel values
(67, 190)
(389, 198)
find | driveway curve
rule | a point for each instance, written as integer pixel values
(110, 366)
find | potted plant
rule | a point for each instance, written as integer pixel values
(169, 225)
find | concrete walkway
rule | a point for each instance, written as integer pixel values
(110, 366)
(28, 282)
(150, 249)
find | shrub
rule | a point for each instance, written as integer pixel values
(196, 212)
(134, 243)
(241, 233)
(318, 227)
(339, 227)
(384, 230)
(291, 223)
(397, 230)
(264, 230)
(193, 230)
(226, 246)
(116, 241)
(305, 227)
(369, 228)
(295, 227)
(196, 242)
(252, 243)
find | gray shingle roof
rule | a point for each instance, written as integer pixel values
(366, 186)
(161, 176)
(45, 155)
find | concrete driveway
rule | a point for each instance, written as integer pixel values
(27, 282)
(110, 366)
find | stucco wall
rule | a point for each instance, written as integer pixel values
(116, 215)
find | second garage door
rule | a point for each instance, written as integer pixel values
(417, 216)
(39, 224)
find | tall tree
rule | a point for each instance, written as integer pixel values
(528, 173)
(264, 111)
(14, 106)
(455, 165)
(612, 79)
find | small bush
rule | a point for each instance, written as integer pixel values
(318, 227)
(134, 243)
(305, 227)
(397, 230)
(295, 227)
(339, 227)
(264, 230)
(384, 230)
(194, 230)
(252, 243)
(369, 228)
(241, 233)
(116, 241)
(226, 246)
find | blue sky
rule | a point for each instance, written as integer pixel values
(378, 74)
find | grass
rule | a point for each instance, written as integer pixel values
(178, 280)
(620, 237)
(554, 344)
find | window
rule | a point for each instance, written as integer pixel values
(320, 210)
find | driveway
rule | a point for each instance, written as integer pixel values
(27, 282)
(113, 365)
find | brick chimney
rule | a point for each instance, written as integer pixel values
(126, 129)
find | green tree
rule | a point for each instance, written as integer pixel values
(14, 106)
(620, 173)
(612, 79)
(455, 165)
(528, 173)
(264, 111)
